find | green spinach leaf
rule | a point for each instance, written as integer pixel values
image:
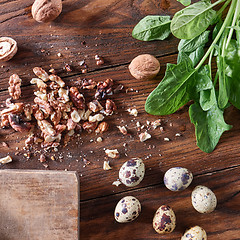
(191, 45)
(192, 20)
(209, 126)
(232, 60)
(173, 91)
(152, 28)
(223, 95)
(185, 2)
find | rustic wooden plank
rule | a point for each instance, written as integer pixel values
(84, 29)
(38, 205)
(179, 151)
(221, 224)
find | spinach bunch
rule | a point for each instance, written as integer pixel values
(192, 77)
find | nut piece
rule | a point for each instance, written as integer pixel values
(57, 79)
(102, 127)
(8, 48)
(18, 124)
(46, 10)
(106, 166)
(112, 153)
(15, 86)
(144, 67)
(95, 106)
(133, 112)
(96, 118)
(5, 160)
(144, 136)
(110, 107)
(42, 74)
(122, 129)
(77, 98)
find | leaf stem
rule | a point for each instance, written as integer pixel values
(235, 17)
(210, 62)
(225, 23)
(223, 7)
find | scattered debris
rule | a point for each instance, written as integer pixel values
(106, 165)
(5, 160)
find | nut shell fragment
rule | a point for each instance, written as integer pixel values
(8, 48)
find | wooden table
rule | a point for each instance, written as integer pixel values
(84, 29)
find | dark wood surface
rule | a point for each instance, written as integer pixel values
(87, 28)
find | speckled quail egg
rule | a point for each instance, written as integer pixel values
(164, 220)
(195, 233)
(132, 172)
(177, 178)
(203, 199)
(127, 209)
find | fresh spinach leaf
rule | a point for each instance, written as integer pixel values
(185, 2)
(192, 20)
(223, 95)
(204, 92)
(191, 45)
(209, 126)
(207, 99)
(152, 28)
(196, 55)
(173, 91)
(232, 59)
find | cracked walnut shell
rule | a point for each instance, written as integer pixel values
(144, 67)
(46, 10)
(8, 48)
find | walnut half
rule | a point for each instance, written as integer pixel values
(8, 48)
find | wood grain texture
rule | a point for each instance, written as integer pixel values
(38, 205)
(84, 29)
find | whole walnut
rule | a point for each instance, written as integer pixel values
(46, 10)
(144, 67)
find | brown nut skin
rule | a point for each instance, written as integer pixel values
(6, 56)
(144, 67)
(46, 10)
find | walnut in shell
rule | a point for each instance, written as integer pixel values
(8, 48)
(46, 10)
(144, 67)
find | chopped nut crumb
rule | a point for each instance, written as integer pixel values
(156, 123)
(133, 111)
(112, 153)
(42, 158)
(106, 165)
(99, 139)
(122, 129)
(116, 183)
(5, 160)
(144, 136)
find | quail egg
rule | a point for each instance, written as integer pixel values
(164, 220)
(127, 209)
(203, 199)
(132, 172)
(177, 178)
(195, 233)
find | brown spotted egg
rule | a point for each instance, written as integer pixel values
(203, 199)
(177, 178)
(127, 209)
(195, 233)
(164, 220)
(132, 172)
